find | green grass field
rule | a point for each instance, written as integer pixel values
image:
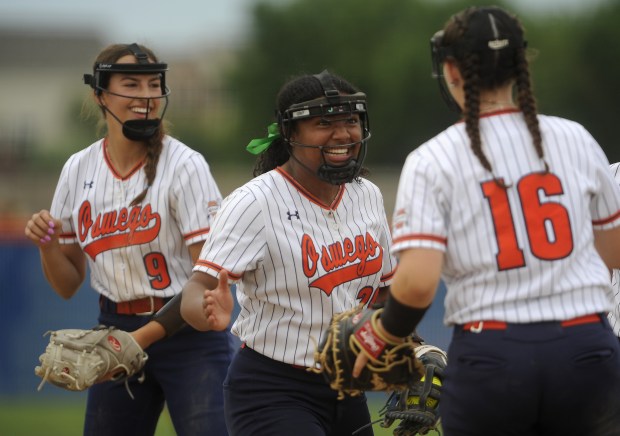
(65, 418)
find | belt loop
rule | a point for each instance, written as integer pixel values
(106, 305)
(477, 328)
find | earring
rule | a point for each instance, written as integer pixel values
(452, 84)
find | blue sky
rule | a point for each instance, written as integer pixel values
(176, 25)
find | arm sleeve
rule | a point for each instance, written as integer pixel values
(236, 242)
(63, 202)
(385, 240)
(195, 198)
(419, 216)
(605, 204)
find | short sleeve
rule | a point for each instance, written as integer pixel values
(419, 213)
(195, 198)
(236, 242)
(63, 202)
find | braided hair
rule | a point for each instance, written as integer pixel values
(154, 144)
(299, 89)
(470, 32)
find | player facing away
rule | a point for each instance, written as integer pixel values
(520, 216)
(136, 207)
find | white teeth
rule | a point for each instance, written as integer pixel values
(140, 110)
(337, 151)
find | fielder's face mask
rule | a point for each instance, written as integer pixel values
(136, 130)
(490, 33)
(330, 105)
(438, 56)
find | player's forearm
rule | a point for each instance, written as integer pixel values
(192, 304)
(60, 272)
(417, 277)
(607, 243)
(149, 334)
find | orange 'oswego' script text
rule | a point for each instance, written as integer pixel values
(342, 261)
(117, 228)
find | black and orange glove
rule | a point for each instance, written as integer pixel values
(390, 366)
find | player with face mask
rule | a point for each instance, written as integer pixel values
(135, 208)
(305, 239)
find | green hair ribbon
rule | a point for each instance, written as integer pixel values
(258, 145)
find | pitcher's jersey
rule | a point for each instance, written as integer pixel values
(136, 251)
(520, 255)
(614, 315)
(297, 261)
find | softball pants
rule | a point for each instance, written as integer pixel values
(267, 397)
(533, 379)
(185, 372)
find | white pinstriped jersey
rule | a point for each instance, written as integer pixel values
(521, 255)
(297, 261)
(136, 251)
(614, 315)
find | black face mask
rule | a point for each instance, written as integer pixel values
(346, 173)
(438, 56)
(135, 130)
(331, 104)
(141, 130)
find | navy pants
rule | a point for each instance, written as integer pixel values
(185, 371)
(267, 397)
(533, 379)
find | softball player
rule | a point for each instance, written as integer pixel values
(614, 315)
(137, 206)
(509, 208)
(305, 239)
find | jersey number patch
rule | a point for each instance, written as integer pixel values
(547, 223)
(157, 269)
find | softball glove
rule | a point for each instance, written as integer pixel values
(417, 406)
(390, 365)
(76, 359)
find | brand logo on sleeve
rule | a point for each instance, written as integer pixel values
(293, 214)
(117, 228)
(343, 261)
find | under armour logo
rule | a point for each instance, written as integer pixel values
(292, 214)
(89, 185)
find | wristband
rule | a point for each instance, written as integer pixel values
(170, 317)
(399, 319)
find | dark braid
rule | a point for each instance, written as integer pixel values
(153, 151)
(472, 107)
(484, 69)
(527, 103)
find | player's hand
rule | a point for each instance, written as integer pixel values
(360, 364)
(362, 359)
(43, 229)
(217, 304)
